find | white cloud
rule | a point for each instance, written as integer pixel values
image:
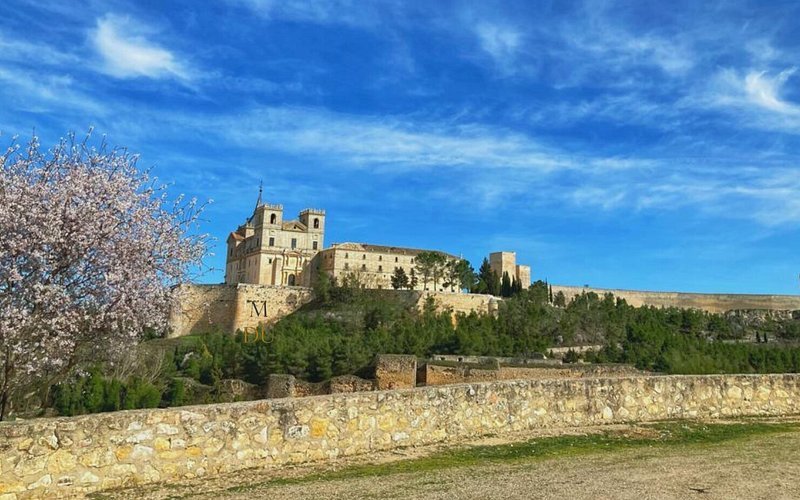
(765, 91)
(128, 53)
(753, 98)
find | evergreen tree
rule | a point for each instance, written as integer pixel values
(505, 286)
(466, 274)
(413, 281)
(425, 264)
(488, 281)
(399, 278)
(322, 287)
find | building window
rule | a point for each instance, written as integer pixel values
(380, 268)
(380, 257)
(316, 223)
(346, 265)
(396, 260)
(273, 219)
(363, 267)
(291, 280)
(314, 245)
(346, 255)
(272, 242)
(270, 261)
(294, 243)
(364, 257)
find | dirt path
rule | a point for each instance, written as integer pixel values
(762, 466)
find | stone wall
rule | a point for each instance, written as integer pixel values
(58, 457)
(560, 352)
(711, 302)
(226, 308)
(435, 374)
(203, 308)
(460, 302)
(287, 386)
(535, 359)
(395, 371)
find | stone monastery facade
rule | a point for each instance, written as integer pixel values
(268, 250)
(375, 264)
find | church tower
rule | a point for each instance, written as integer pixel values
(269, 250)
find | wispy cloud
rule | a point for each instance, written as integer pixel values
(25, 51)
(126, 51)
(754, 98)
(500, 42)
(345, 12)
(493, 167)
(765, 91)
(402, 143)
(40, 92)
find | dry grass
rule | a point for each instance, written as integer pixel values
(750, 459)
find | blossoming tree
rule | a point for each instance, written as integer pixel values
(90, 249)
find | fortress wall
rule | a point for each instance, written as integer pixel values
(58, 457)
(202, 308)
(715, 303)
(226, 308)
(259, 304)
(459, 302)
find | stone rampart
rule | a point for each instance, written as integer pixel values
(203, 308)
(460, 302)
(711, 302)
(227, 308)
(59, 457)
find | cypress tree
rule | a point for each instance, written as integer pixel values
(505, 287)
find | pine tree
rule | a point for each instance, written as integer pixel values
(413, 281)
(399, 278)
(488, 281)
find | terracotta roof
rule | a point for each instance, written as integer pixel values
(236, 236)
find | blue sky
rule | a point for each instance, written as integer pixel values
(644, 145)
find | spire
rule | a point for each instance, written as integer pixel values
(260, 189)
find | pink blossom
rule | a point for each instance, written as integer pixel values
(90, 250)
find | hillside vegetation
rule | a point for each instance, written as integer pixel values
(342, 333)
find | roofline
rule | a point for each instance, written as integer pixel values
(388, 249)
